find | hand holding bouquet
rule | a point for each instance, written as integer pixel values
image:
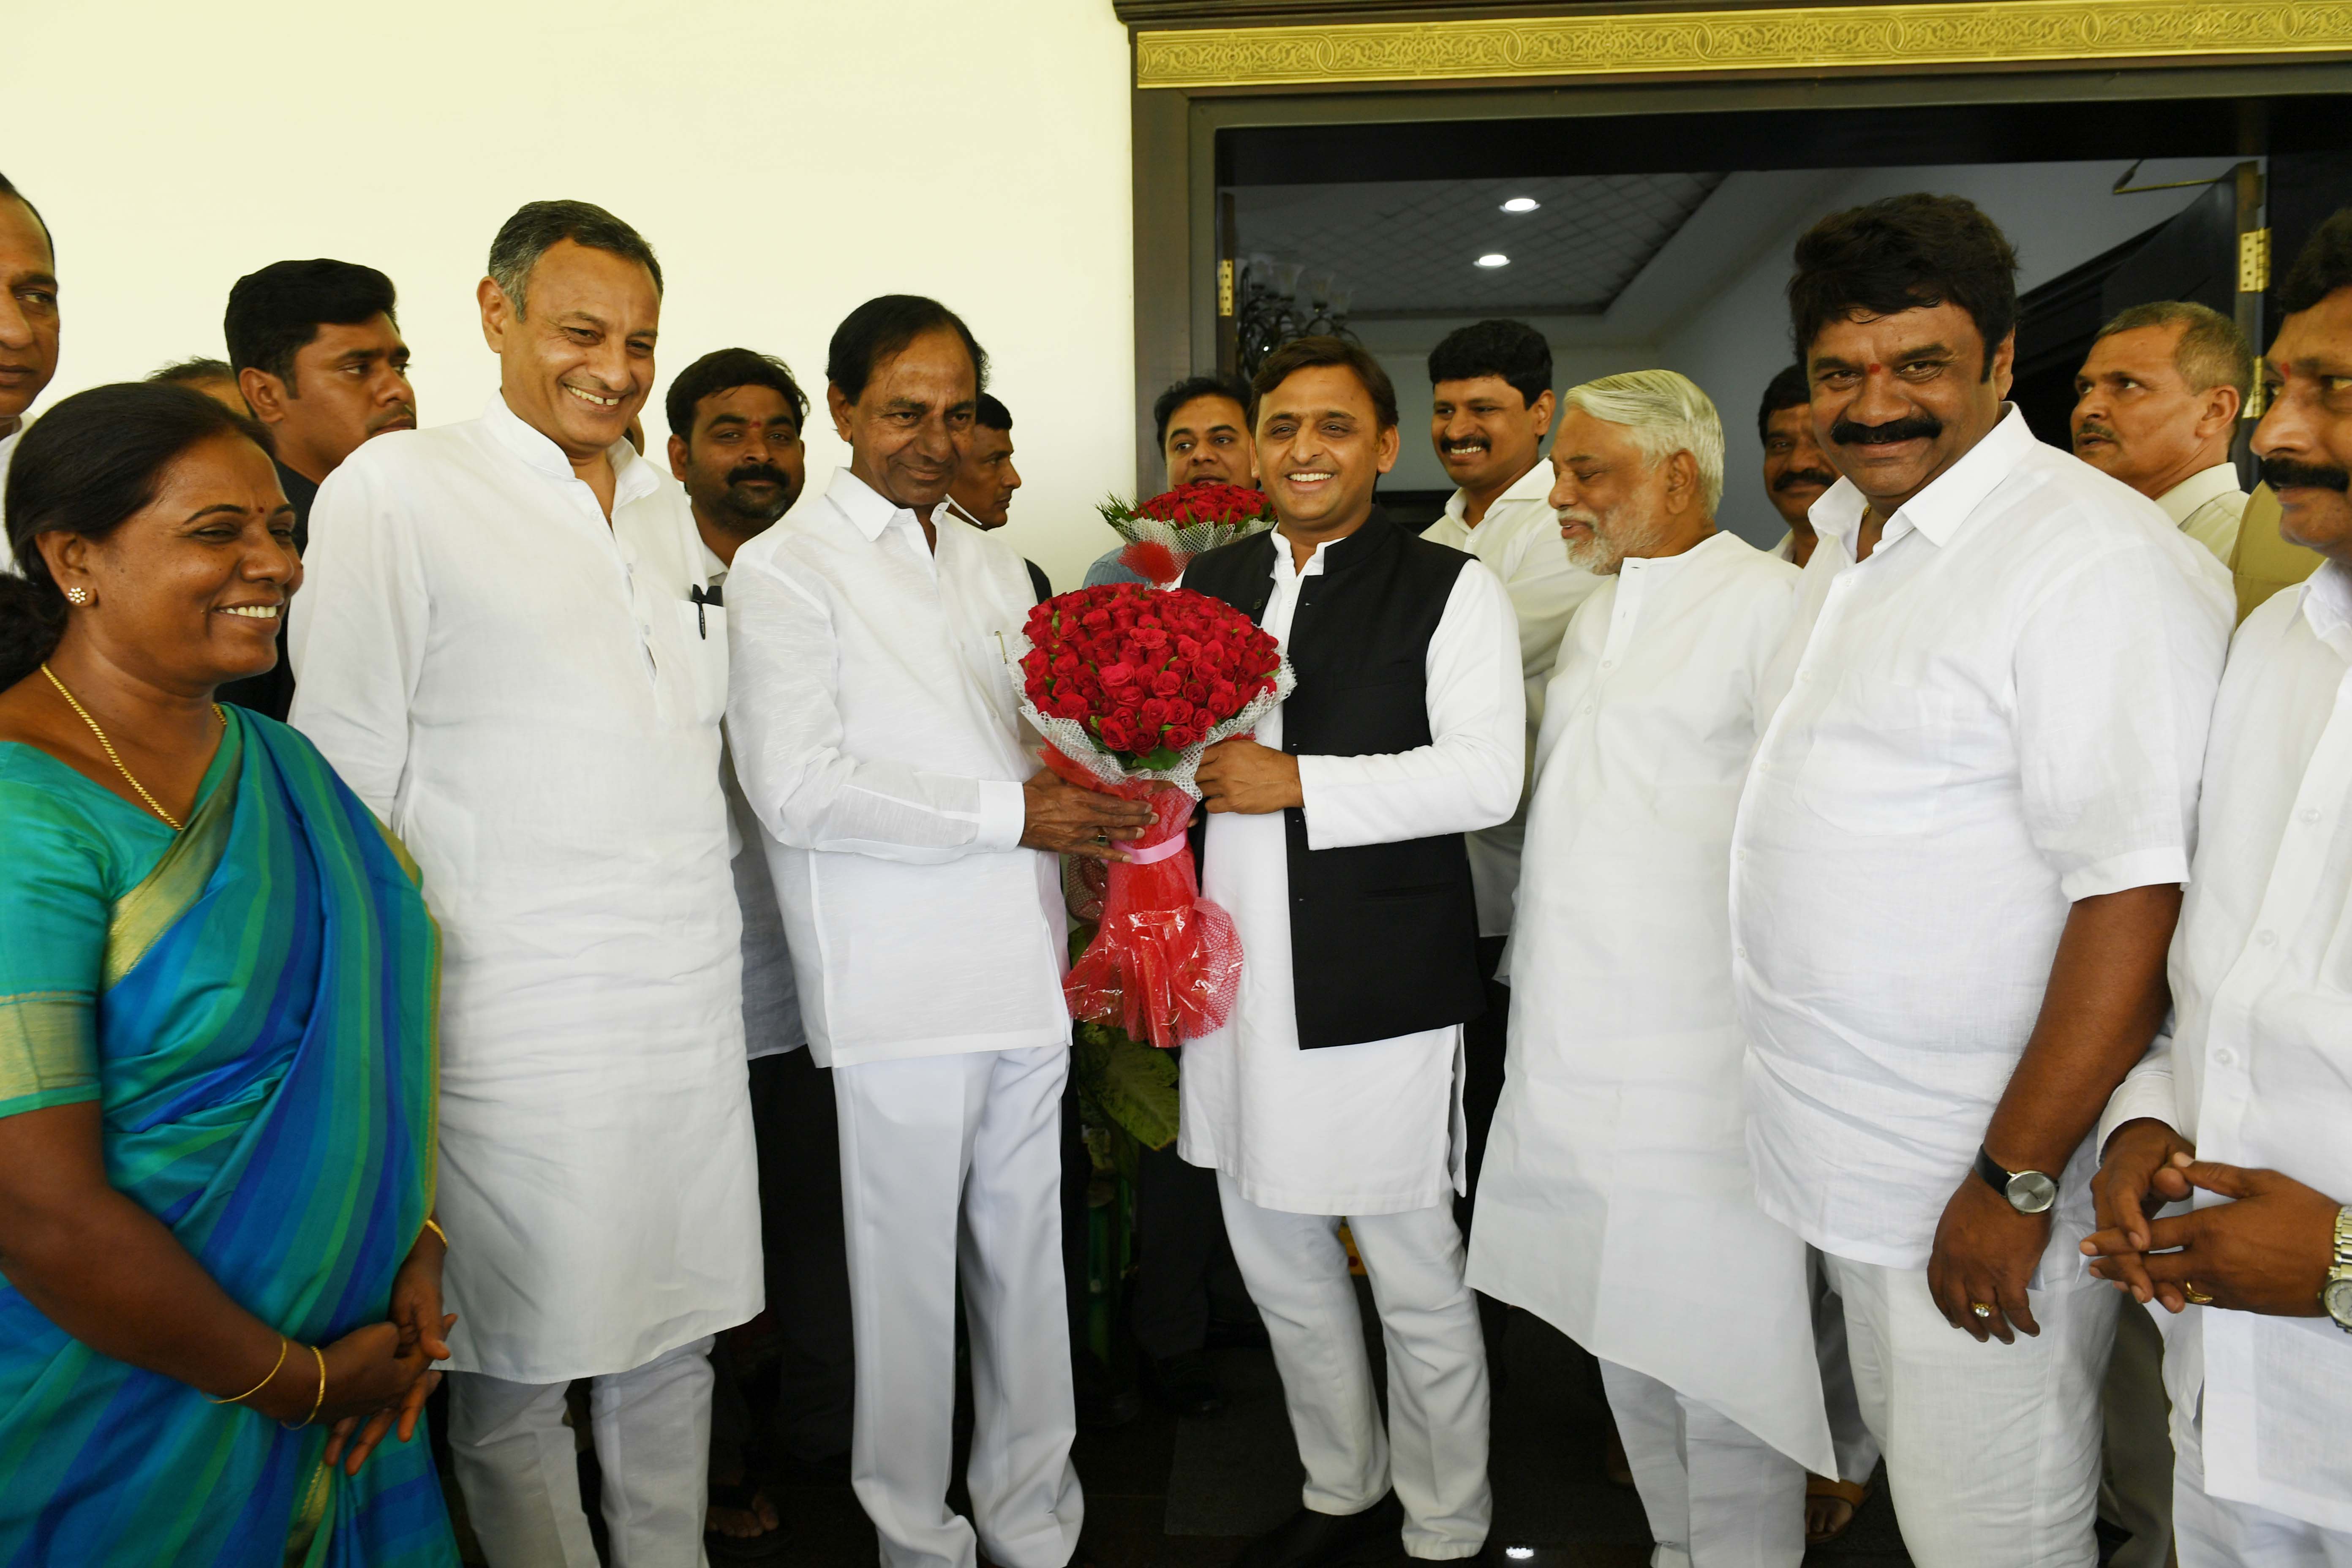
(1129, 686)
(1165, 532)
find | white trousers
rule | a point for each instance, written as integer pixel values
(519, 1464)
(1857, 1450)
(953, 1163)
(1435, 1451)
(1717, 1495)
(2214, 1532)
(1992, 1450)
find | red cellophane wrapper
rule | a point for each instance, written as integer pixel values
(1165, 962)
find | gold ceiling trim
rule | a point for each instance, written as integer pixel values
(1815, 37)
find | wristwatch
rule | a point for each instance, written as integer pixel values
(2335, 1296)
(2028, 1192)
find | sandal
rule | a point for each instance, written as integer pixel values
(1824, 1496)
(742, 1498)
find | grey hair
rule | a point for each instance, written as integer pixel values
(2212, 351)
(537, 227)
(1666, 413)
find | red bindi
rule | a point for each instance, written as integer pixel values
(1874, 369)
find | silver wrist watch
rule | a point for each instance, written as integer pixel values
(2335, 1296)
(2028, 1192)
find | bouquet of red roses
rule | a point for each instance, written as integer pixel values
(1168, 529)
(1129, 686)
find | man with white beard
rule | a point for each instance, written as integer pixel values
(1617, 1198)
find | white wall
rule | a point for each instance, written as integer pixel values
(787, 159)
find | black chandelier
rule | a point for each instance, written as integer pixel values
(1278, 300)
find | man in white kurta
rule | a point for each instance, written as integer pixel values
(525, 697)
(874, 726)
(2157, 406)
(1305, 1134)
(1955, 870)
(1617, 1200)
(2254, 1079)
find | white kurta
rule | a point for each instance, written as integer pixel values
(1369, 1128)
(1518, 540)
(2256, 1068)
(2207, 506)
(877, 730)
(528, 700)
(1616, 1201)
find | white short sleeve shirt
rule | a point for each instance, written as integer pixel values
(2000, 712)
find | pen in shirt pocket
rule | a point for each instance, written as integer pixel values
(704, 601)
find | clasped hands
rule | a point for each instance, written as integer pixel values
(2267, 1250)
(378, 1377)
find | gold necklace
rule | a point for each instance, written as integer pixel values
(169, 819)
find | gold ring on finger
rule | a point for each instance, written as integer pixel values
(2196, 1297)
(1980, 1309)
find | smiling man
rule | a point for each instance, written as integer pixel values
(2155, 405)
(1796, 475)
(876, 726)
(1204, 438)
(1956, 866)
(315, 355)
(1335, 838)
(29, 323)
(533, 704)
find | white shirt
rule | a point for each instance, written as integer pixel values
(877, 730)
(1518, 540)
(1618, 1137)
(1369, 1128)
(2207, 507)
(2000, 712)
(2257, 1069)
(523, 695)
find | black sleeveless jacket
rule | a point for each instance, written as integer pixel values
(1383, 937)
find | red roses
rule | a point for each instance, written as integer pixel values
(1231, 505)
(1149, 673)
(1168, 531)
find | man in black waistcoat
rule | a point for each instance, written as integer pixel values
(1335, 837)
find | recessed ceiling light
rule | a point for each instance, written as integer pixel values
(1521, 204)
(1493, 259)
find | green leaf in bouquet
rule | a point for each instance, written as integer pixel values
(1159, 761)
(1132, 1084)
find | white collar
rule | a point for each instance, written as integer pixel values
(868, 509)
(633, 477)
(1942, 509)
(1533, 485)
(2326, 599)
(2198, 488)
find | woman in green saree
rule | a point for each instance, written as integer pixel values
(219, 1277)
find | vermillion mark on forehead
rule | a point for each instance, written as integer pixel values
(1873, 369)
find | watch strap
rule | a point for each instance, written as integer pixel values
(1995, 1173)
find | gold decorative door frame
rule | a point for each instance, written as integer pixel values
(1196, 73)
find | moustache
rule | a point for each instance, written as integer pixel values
(2092, 427)
(2287, 474)
(749, 472)
(1918, 427)
(1796, 476)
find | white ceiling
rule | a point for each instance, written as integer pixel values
(1411, 245)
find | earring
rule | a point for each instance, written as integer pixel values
(77, 597)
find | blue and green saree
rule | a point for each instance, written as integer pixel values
(251, 1002)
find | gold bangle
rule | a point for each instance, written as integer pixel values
(283, 1345)
(435, 1226)
(317, 1405)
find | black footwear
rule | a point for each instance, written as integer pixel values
(1311, 1539)
(1186, 1384)
(1103, 1406)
